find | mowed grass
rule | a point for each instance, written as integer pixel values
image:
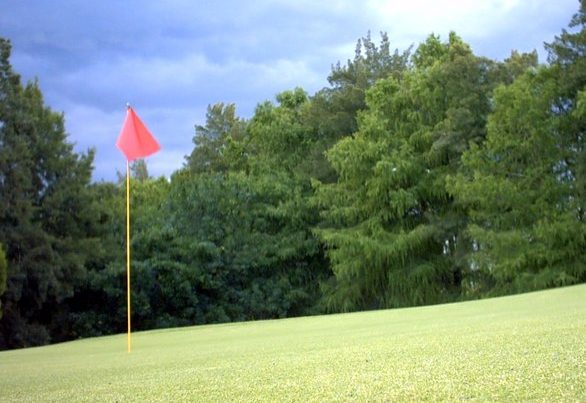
(524, 347)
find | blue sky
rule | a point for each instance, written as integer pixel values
(170, 59)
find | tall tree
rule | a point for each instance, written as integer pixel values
(3, 274)
(279, 137)
(218, 142)
(43, 212)
(139, 170)
(392, 230)
(332, 114)
(349, 82)
(525, 186)
(567, 55)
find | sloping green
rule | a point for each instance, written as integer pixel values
(523, 347)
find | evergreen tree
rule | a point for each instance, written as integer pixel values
(392, 230)
(44, 213)
(3, 274)
(567, 55)
(350, 82)
(99, 304)
(333, 111)
(218, 144)
(524, 186)
(139, 170)
(279, 137)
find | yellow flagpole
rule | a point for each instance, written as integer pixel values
(128, 251)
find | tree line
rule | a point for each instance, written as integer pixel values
(416, 177)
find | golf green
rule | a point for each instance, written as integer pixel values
(523, 347)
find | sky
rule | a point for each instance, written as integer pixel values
(171, 59)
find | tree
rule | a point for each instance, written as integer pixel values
(228, 253)
(393, 233)
(217, 144)
(139, 170)
(3, 274)
(567, 55)
(524, 213)
(98, 305)
(370, 64)
(247, 212)
(524, 186)
(332, 113)
(44, 212)
(279, 137)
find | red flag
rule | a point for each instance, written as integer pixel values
(135, 140)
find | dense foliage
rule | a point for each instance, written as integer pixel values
(46, 211)
(416, 177)
(3, 274)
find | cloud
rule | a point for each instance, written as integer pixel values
(469, 18)
(182, 81)
(493, 27)
(171, 59)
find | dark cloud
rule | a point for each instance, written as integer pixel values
(171, 59)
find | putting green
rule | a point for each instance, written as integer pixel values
(524, 347)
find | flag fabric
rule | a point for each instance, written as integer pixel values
(135, 140)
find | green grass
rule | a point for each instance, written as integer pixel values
(523, 347)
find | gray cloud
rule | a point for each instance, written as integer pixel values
(171, 59)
